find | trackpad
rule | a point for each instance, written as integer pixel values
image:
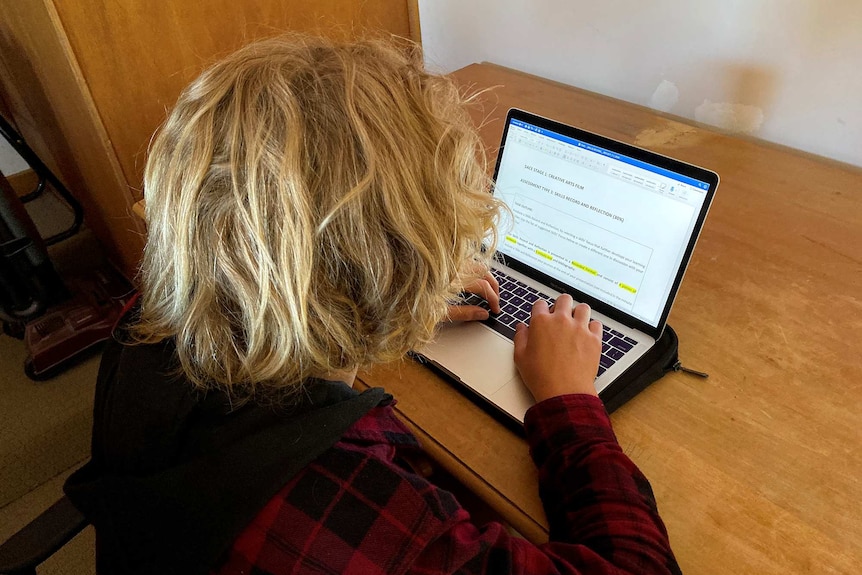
(477, 356)
(514, 398)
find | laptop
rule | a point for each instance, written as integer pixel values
(610, 224)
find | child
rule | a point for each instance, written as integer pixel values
(316, 207)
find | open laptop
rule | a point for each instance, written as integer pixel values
(608, 223)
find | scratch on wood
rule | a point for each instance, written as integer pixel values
(833, 250)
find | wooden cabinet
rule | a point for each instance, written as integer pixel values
(89, 81)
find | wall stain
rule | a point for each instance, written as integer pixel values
(668, 135)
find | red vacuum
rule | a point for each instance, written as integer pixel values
(59, 318)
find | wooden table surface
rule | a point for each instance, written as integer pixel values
(757, 469)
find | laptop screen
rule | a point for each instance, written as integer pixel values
(611, 225)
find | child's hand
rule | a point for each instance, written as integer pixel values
(488, 288)
(559, 352)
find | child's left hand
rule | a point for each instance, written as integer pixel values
(486, 287)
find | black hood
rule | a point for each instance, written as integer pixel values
(176, 476)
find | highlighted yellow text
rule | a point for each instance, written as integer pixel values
(585, 268)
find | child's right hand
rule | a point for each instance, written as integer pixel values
(558, 353)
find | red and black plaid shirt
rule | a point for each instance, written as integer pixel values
(358, 509)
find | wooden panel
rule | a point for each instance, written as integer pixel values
(140, 210)
(5, 109)
(137, 55)
(52, 109)
(413, 15)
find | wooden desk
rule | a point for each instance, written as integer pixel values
(757, 469)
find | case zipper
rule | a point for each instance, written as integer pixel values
(679, 367)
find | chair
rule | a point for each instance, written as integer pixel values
(41, 538)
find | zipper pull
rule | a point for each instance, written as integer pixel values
(679, 367)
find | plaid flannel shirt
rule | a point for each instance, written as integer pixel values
(359, 509)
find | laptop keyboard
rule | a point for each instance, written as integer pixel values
(516, 303)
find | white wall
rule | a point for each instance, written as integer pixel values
(10, 161)
(787, 71)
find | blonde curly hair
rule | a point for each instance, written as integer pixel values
(312, 207)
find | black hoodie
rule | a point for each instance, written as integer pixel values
(175, 475)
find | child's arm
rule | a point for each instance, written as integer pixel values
(600, 507)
